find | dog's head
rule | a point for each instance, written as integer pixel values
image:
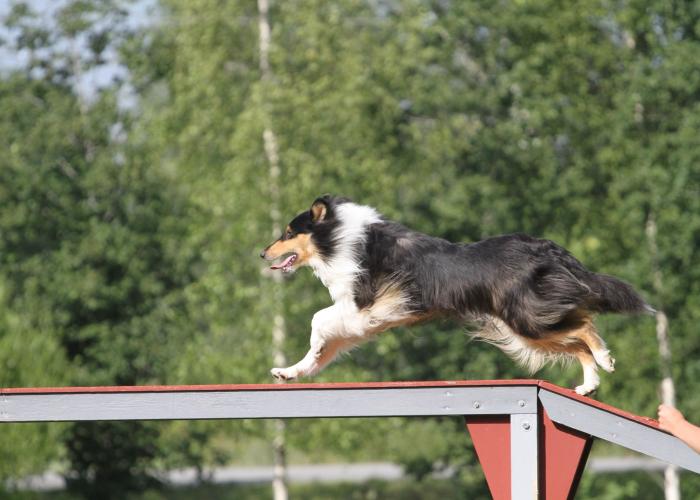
(306, 236)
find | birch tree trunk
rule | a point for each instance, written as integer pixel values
(279, 481)
(667, 388)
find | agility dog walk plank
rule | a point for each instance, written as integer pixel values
(267, 401)
(531, 436)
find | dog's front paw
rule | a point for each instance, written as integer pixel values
(284, 373)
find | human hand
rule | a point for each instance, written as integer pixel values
(670, 419)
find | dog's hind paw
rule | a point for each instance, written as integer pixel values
(586, 389)
(605, 361)
(283, 373)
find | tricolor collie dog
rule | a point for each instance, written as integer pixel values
(529, 296)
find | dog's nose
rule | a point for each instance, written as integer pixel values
(262, 254)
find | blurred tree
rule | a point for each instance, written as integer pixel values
(198, 74)
(90, 249)
(279, 330)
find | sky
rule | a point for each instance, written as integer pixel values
(140, 13)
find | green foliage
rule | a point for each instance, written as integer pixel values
(111, 459)
(93, 274)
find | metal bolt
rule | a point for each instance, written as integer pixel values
(526, 426)
(477, 405)
(521, 403)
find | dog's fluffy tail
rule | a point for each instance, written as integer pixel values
(615, 296)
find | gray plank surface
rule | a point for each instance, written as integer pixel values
(418, 401)
(619, 430)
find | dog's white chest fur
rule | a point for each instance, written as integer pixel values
(340, 271)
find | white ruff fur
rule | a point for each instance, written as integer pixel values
(340, 271)
(342, 326)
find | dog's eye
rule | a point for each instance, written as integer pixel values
(287, 235)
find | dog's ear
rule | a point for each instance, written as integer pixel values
(319, 209)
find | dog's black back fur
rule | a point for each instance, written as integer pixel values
(534, 285)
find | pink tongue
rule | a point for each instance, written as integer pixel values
(284, 263)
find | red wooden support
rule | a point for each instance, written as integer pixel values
(562, 457)
(491, 438)
(565, 454)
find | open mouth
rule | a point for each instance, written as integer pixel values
(286, 264)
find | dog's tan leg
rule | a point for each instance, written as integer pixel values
(591, 380)
(589, 350)
(601, 354)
